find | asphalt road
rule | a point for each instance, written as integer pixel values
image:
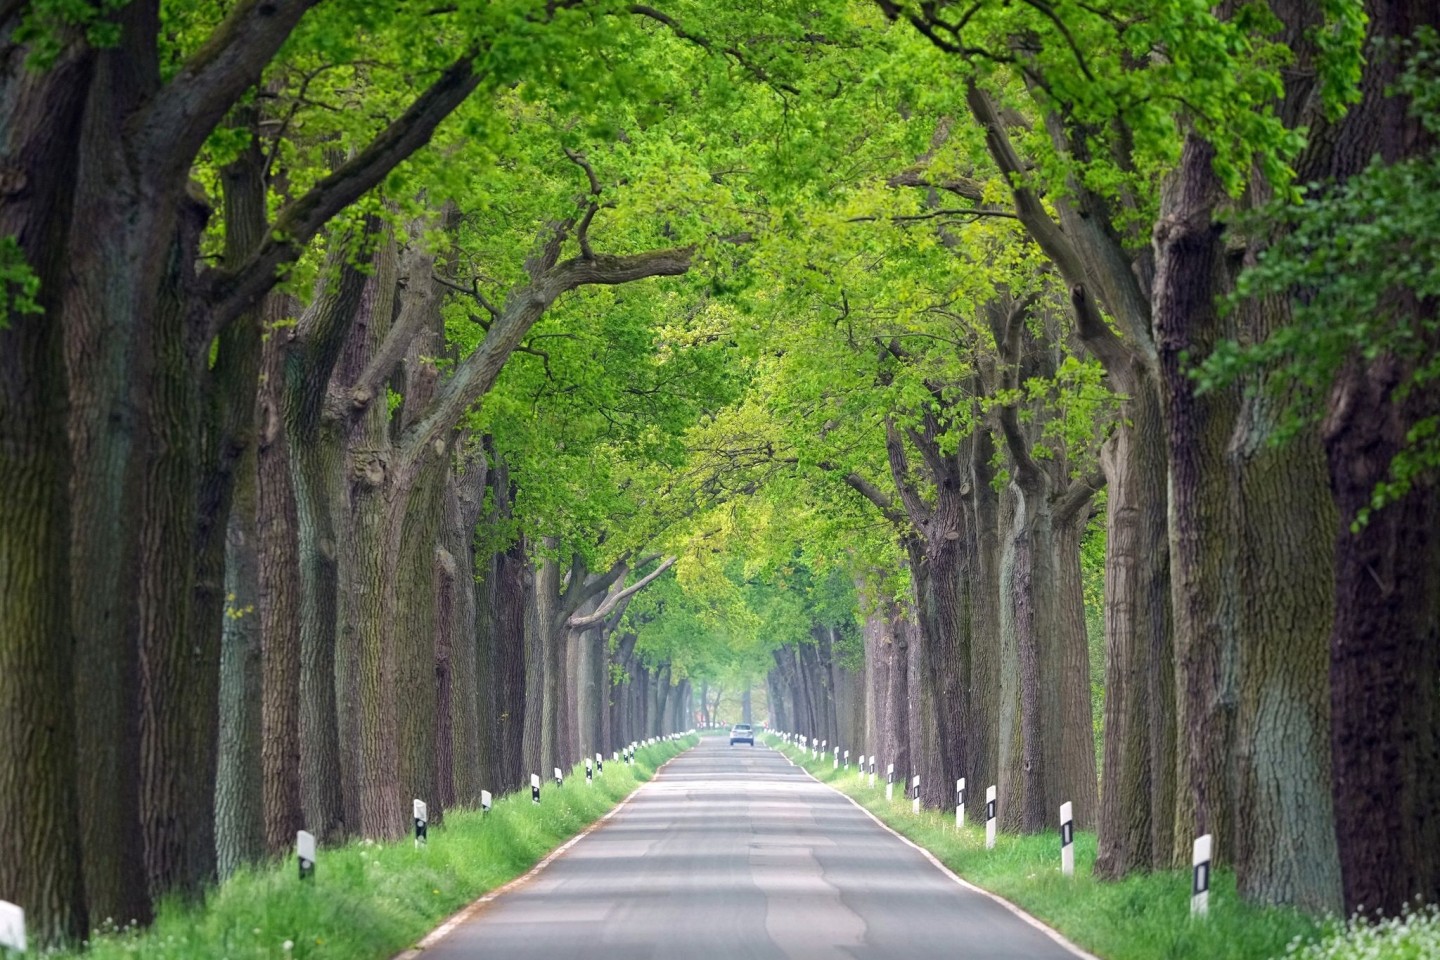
(734, 853)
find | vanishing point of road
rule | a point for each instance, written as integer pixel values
(735, 853)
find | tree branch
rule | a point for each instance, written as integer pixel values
(476, 374)
(605, 608)
(416, 310)
(1081, 489)
(185, 111)
(705, 43)
(915, 505)
(231, 292)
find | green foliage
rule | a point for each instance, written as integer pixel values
(19, 286)
(1358, 262)
(1144, 916)
(369, 901)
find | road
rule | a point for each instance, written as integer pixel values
(735, 853)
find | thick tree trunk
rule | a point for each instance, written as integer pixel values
(42, 680)
(1077, 719)
(279, 571)
(239, 807)
(985, 698)
(1138, 781)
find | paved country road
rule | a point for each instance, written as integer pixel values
(734, 853)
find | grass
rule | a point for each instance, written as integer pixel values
(369, 900)
(1143, 917)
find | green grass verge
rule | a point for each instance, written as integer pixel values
(371, 900)
(1143, 917)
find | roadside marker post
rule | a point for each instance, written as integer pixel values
(534, 788)
(12, 926)
(990, 818)
(589, 772)
(1200, 888)
(890, 781)
(847, 761)
(837, 758)
(305, 854)
(599, 765)
(872, 771)
(1067, 839)
(960, 804)
(485, 800)
(915, 800)
(422, 824)
(559, 778)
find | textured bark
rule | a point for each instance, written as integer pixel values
(514, 670)
(40, 839)
(279, 572)
(239, 808)
(1077, 719)
(1385, 645)
(314, 445)
(539, 614)
(1138, 780)
(446, 681)
(474, 683)
(1202, 524)
(179, 676)
(984, 502)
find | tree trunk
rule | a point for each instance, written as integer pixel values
(985, 697)
(279, 575)
(1077, 719)
(42, 670)
(239, 808)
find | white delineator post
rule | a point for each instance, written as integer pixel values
(889, 781)
(847, 760)
(1067, 839)
(485, 799)
(599, 765)
(12, 926)
(589, 772)
(872, 771)
(534, 788)
(305, 853)
(990, 818)
(422, 824)
(559, 778)
(1200, 888)
(915, 798)
(836, 752)
(960, 803)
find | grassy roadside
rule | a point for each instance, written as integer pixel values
(369, 901)
(1139, 918)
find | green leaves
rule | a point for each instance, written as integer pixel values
(19, 285)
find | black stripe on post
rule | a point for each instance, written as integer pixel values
(1201, 881)
(1067, 833)
(990, 810)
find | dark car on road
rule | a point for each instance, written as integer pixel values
(742, 733)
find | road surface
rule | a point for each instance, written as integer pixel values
(734, 853)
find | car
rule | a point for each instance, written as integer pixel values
(742, 733)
